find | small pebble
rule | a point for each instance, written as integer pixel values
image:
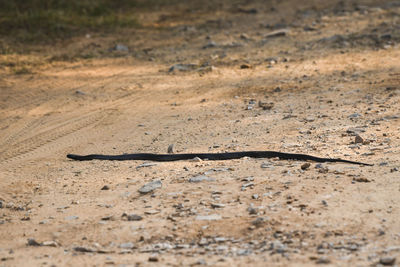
(49, 244)
(146, 164)
(260, 221)
(217, 205)
(84, 249)
(323, 260)
(132, 217)
(201, 178)
(305, 166)
(244, 36)
(354, 116)
(266, 165)
(361, 180)
(121, 48)
(277, 33)
(310, 119)
(149, 187)
(211, 217)
(247, 185)
(151, 212)
(358, 139)
(33, 242)
(153, 259)
(271, 60)
(171, 149)
(196, 159)
(388, 261)
(107, 218)
(265, 105)
(78, 92)
(355, 131)
(210, 44)
(106, 187)
(252, 210)
(183, 67)
(277, 246)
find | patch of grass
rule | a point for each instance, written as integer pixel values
(41, 20)
(29, 27)
(20, 64)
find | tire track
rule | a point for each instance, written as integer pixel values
(17, 150)
(36, 95)
(23, 131)
(47, 130)
(16, 147)
(18, 101)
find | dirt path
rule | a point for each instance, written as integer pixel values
(331, 73)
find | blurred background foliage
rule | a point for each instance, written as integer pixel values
(40, 20)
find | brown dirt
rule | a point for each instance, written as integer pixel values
(341, 72)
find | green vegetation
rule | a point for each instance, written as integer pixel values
(41, 20)
(31, 26)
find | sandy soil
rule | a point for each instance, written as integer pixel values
(332, 74)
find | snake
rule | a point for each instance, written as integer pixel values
(212, 156)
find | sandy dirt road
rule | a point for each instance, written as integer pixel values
(292, 76)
